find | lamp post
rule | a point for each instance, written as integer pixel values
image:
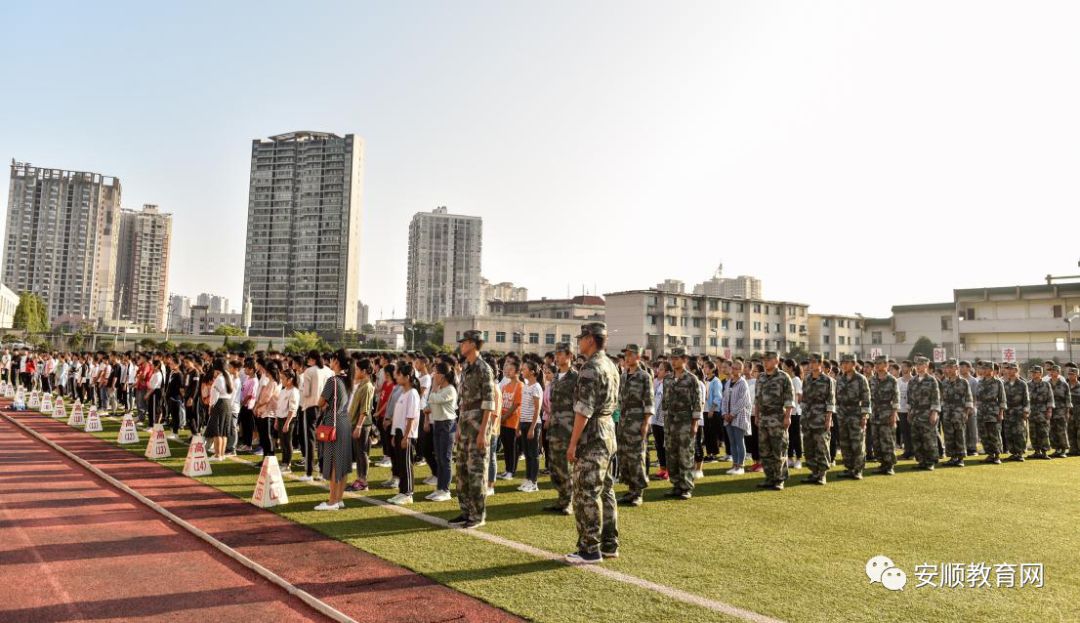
(1068, 322)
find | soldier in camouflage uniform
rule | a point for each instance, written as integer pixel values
(1042, 406)
(773, 404)
(471, 443)
(635, 417)
(592, 448)
(818, 406)
(1017, 407)
(1074, 413)
(924, 402)
(852, 412)
(990, 400)
(559, 426)
(681, 404)
(884, 404)
(1059, 419)
(956, 407)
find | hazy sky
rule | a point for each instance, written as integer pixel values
(606, 144)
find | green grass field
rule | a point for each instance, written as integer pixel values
(798, 555)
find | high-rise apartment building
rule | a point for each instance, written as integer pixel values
(142, 267)
(741, 287)
(61, 239)
(179, 312)
(302, 263)
(214, 303)
(444, 265)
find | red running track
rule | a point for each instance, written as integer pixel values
(74, 548)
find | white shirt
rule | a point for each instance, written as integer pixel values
(218, 391)
(407, 407)
(425, 389)
(288, 401)
(796, 389)
(529, 394)
(658, 399)
(155, 381)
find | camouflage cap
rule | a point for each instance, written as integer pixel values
(1035, 369)
(950, 363)
(881, 359)
(1072, 370)
(472, 335)
(965, 362)
(982, 363)
(1054, 368)
(919, 359)
(816, 357)
(678, 352)
(632, 348)
(1009, 365)
(564, 347)
(847, 358)
(593, 328)
(770, 354)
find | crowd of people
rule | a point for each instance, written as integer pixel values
(589, 416)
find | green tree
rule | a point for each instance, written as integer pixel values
(924, 347)
(203, 347)
(368, 328)
(30, 314)
(797, 353)
(166, 346)
(185, 347)
(105, 345)
(147, 343)
(304, 341)
(229, 329)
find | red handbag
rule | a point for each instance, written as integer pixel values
(325, 432)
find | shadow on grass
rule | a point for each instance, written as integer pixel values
(475, 575)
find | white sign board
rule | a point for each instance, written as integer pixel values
(876, 352)
(939, 355)
(1008, 354)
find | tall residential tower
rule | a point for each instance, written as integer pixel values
(142, 267)
(302, 264)
(444, 266)
(61, 239)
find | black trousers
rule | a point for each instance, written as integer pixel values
(266, 435)
(176, 414)
(903, 434)
(284, 440)
(307, 434)
(361, 451)
(403, 464)
(247, 426)
(752, 442)
(658, 441)
(508, 435)
(427, 445)
(795, 437)
(713, 427)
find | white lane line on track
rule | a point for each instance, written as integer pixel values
(662, 589)
(313, 602)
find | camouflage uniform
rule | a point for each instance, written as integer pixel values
(558, 435)
(635, 407)
(471, 463)
(884, 400)
(1017, 407)
(818, 398)
(681, 404)
(774, 394)
(924, 397)
(1074, 419)
(852, 405)
(596, 397)
(1059, 421)
(991, 401)
(1042, 400)
(955, 401)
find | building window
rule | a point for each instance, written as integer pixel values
(517, 337)
(824, 322)
(697, 323)
(726, 306)
(500, 337)
(549, 339)
(724, 342)
(778, 327)
(857, 340)
(738, 325)
(757, 308)
(1059, 311)
(824, 339)
(739, 342)
(652, 300)
(757, 344)
(875, 337)
(712, 342)
(946, 323)
(724, 324)
(757, 325)
(566, 337)
(901, 336)
(739, 308)
(697, 341)
(969, 313)
(791, 328)
(652, 319)
(682, 321)
(713, 323)
(714, 305)
(534, 338)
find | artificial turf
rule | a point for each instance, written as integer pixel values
(797, 555)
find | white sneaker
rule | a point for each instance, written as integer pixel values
(431, 481)
(326, 507)
(490, 492)
(401, 499)
(698, 474)
(172, 437)
(504, 476)
(533, 487)
(797, 465)
(524, 486)
(305, 478)
(736, 471)
(341, 504)
(391, 484)
(384, 462)
(430, 495)
(440, 496)
(726, 457)
(790, 463)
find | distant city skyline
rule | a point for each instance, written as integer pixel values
(611, 144)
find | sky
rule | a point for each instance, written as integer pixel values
(852, 155)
